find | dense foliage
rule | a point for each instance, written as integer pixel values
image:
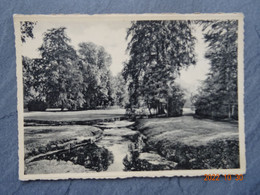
(95, 63)
(66, 78)
(120, 90)
(81, 79)
(26, 28)
(158, 51)
(217, 97)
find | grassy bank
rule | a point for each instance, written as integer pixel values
(65, 140)
(43, 139)
(192, 143)
(64, 148)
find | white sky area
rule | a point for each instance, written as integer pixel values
(112, 36)
(109, 34)
(192, 77)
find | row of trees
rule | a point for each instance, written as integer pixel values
(217, 97)
(158, 51)
(80, 79)
(65, 78)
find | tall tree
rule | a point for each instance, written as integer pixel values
(95, 63)
(63, 86)
(158, 51)
(120, 90)
(219, 92)
(34, 84)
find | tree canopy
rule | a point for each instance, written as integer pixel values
(218, 95)
(61, 70)
(65, 78)
(26, 28)
(120, 90)
(158, 51)
(95, 63)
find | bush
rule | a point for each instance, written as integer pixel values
(37, 105)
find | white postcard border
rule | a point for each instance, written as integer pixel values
(128, 17)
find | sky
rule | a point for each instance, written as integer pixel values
(109, 34)
(112, 36)
(193, 76)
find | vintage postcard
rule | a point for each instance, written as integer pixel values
(116, 96)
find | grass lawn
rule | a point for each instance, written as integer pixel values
(187, 130)
(60, 149)
(43, 139)
(54, 166)
(193, 143)
(74, 115)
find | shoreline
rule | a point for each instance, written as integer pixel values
(213, 150)
(159, 145)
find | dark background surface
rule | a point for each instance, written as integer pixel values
(9, 183)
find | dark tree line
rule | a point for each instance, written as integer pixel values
(217, 98)
(158, 51)
(65, 78)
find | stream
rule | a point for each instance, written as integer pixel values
(96, 146)
(127, 147)
(116, 140)
(117, 148)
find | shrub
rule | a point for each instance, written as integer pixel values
(37, 105)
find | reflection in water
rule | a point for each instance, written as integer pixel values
(129, 149)
(116, 139)
(119, 149)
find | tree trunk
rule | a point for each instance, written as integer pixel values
(157, 109)
(233, 110)
(167, 107)
(149, 110)
(62, 105)
(229, 111)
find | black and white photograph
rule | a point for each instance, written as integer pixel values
(116, 96)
